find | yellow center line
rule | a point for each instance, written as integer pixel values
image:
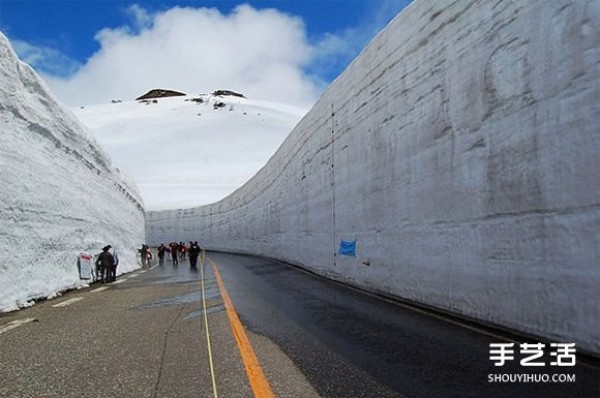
(258, 381)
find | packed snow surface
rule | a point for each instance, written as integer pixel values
(192, 150)
(60, 193)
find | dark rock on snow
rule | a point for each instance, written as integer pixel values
(159, 93)
(224, 93)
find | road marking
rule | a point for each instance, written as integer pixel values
(133, 276)
(100, 289)
(258, 381)
(15, 324)
(68, 302)
(117, 282)
(210, 359)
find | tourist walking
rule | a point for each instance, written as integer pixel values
(162, 249)
(194, 252)
(105, 264)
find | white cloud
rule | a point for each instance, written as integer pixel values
(260, 53)
(264, 54)
(334, 51)
(141, 18)
(45, 59)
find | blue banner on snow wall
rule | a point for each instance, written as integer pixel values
(348, 248)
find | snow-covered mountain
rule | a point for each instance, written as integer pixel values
(190, 150)
(60, 194)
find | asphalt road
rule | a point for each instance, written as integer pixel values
(149, 336)
(351, 344)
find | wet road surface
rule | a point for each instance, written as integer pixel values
(350, 344)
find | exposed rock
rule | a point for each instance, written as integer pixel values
(224, 93)
(160, 93)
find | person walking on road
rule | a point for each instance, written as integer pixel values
(161, 253)
(112, 271)
(182, 250)
(144, 255)
(149, 257)
(194, 252)
(105, 263)
(174, 249)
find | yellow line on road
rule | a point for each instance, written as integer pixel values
(258, 381)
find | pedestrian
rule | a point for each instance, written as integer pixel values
(144, 255)
(194, 252)
(149, 257)
(161, 253)
(174, 246)
(112, 275)
(106, 262)
(182, 250)
(100, 271)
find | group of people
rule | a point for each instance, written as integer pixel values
(106, 265)
(178, 251)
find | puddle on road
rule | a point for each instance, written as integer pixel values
(194, 296)
(191, 297)
(209, 310)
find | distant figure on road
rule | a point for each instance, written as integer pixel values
(182, 250)
(100, 270)
(194, 253)
(149, 256)
(112, 271)
(144, 255)
(174, 248)
(161, 253)
(105, 264)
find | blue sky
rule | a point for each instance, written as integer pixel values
(71, 42)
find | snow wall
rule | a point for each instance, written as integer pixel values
(461, 151)
(60, 195)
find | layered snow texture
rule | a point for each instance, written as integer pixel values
(460, 150)
(60, 195)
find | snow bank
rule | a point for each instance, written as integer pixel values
(60, 195)
(460, 151)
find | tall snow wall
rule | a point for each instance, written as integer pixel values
(461, 151)
(59, 194)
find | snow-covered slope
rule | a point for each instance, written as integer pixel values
(60, 194)
(192, 150)
(460, 151)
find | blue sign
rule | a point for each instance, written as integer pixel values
(348, 248)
